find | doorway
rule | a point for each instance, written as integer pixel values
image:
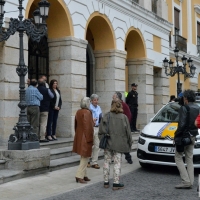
(90, 71)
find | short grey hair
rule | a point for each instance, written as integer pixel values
(85, 103)
(94, 96)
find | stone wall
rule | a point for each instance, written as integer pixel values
(9, 88)
(110, 75)
(141, 72)
(67, 64)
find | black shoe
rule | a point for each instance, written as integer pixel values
(45, 140)
(54, 138)
(130, 161)
(106, 184)
(136, 130)
(118, 186)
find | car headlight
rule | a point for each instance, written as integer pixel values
(141, 141)
(197, 145)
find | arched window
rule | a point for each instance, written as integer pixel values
(38, 59)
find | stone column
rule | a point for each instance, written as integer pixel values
(110, 75)
(67, 64)
(141, 72)
(9, 87)
(161, 89)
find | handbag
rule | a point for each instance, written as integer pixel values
(104, 140)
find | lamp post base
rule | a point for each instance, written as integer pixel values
(23, 145)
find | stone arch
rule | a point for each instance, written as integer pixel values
(135, 44)
(100, 33)
(59, 23)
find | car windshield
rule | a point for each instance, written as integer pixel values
(169, 113)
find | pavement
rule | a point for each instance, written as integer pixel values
(56, 183)
(156, 183)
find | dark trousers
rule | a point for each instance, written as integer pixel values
(134, 113)
(52, 122)
(128, 156)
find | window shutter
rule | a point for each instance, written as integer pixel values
(176, 18)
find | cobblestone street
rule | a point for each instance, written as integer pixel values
(143, 184)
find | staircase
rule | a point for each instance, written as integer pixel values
(62, 155)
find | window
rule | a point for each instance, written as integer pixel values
(176, 21)
(38, 62)
(154, 6)
(136, 1)
(198, 37)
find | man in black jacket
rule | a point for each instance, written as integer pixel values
(44, 108)
(132, 101)
(187, 176)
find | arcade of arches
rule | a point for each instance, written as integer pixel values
(93, 65)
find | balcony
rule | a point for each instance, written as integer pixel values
(181, 43)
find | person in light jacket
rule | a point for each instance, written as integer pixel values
(120, 141)
(83, 140)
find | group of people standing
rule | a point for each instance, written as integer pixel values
(91, 125)
(43, 105)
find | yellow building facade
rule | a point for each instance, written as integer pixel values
(185, 17)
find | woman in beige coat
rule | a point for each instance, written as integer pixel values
(116, 124)
(83, 140)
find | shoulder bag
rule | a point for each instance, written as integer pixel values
(104, 140)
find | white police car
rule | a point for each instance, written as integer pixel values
(155, 143)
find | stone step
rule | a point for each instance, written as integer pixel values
(67, 151)
(74, 160)
(2, 164)
(61, 153)
(60, 143)
(7, 175)
(67, 162)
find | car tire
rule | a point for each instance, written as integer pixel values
(145, 165)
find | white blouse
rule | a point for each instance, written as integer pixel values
(57, 98)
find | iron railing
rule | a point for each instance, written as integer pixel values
(181, 43)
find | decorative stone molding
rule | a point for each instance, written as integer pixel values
(197, 9)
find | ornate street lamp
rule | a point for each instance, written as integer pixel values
(171, 70)
(23, 138)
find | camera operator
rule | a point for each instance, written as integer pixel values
(187, 115)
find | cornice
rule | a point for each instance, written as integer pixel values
(139, 13)
(197, 9)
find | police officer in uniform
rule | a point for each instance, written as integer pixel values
(132, 101)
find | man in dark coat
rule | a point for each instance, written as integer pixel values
(44, 108)
(132, 101)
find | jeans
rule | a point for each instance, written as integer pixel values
(52, 122)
